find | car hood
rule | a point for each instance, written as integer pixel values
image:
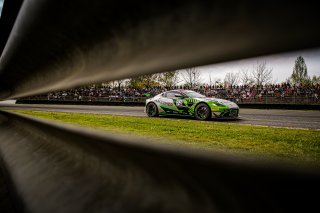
(227, 103)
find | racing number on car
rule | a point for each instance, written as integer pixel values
(179, 103)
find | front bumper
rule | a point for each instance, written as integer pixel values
(232, 113)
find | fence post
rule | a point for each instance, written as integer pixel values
(266, 99)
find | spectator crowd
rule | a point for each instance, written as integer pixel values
(285, 92)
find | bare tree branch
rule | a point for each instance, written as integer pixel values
(191, 77)
(245, 77)
(231, 79)
(261, 74)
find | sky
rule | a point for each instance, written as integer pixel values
(282, 65)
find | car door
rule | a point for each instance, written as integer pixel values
(168, 102)
(178, 100)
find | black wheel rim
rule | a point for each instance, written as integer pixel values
(151, 110)
(202, 112)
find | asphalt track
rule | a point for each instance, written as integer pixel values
(272, 117)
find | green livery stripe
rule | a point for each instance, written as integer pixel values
(167, 107)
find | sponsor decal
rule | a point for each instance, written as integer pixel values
(191, 100)
(164, 103)
(179, 102)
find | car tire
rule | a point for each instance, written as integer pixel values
(202, 112)
(152, 110)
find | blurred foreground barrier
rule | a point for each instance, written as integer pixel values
(57, 168)
(55, 45)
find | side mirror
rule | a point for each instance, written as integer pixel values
(178, 96)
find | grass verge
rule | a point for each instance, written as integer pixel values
(294, 145)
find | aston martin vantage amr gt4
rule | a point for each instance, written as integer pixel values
(190, 103)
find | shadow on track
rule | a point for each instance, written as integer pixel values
(231, 120)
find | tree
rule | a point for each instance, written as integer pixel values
(191, 77)
(169, 79)
(119, 82)
(106, 84)
(149, 80)
(144, 81)
(231, 79)
(245, 77)
(300, 71)
(315, 80)
(261, 74)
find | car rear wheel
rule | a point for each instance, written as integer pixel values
(202, 112)
(152, 110)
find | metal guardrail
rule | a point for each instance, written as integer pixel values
(58, 168)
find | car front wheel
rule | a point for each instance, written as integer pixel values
(202, 112)
(152, 110)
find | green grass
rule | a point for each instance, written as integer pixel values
(294, 145)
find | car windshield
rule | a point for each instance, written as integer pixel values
(194, 95)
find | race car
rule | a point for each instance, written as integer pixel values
(190, 103)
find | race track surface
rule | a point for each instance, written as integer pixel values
(279, 118)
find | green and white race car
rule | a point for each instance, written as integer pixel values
(190, 103)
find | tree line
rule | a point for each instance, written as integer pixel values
(259, 74)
